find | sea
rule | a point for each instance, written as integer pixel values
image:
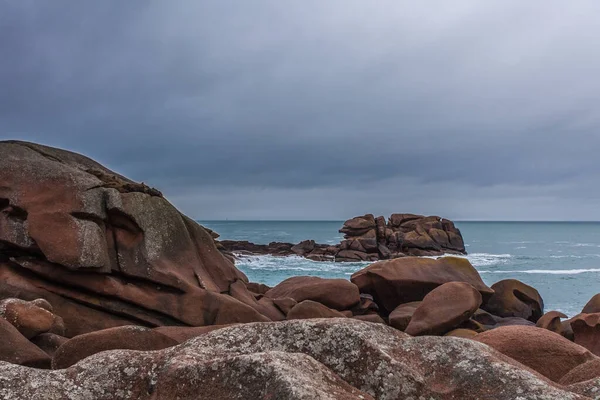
(560, 259)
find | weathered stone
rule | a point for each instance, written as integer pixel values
(551, 321)
(444, 308)
(264, 306)
(462, 333)
(103, 250)
(401, 316)
(28, 318)
(586, 330)
(16, 349)
(304, 247)
(285, 304)
(374, 318)
(592, 306)
(308, 309)
(305, 360)
(546, 352)
(409, 279)
(513, 298)
(49, 342)
(339, 294)
(123, 337)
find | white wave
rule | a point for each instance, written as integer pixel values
(545, 271)
(585, 245)
(483, 259)
(520, 247)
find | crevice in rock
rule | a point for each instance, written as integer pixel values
(54, 286)
(40, 152)
(111, 181)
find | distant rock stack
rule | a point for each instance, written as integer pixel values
(370, 239)
(367, 238)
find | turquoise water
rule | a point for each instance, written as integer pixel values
(560, 259)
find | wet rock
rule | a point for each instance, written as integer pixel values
(513, 298)
(311, 309)
(403, 280)
(339, 294)
(444, 308)
(541, 350)
(123, 337)
(304, 247)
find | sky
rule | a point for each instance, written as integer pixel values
(305, 109)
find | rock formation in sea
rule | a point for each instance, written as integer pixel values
(108, 292)
(367, 238)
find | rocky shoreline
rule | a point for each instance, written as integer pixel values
(369, 238)
(108, 292)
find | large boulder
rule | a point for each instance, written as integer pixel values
(358, 226)
(586, 331)
(339, 294)
(444, 308)
(29, 319)
(409, 279)
(308, 309)
(401, 316)
(103, 250)
(16, 349)
(122, 337)
(541, 350)
(513, 298)
(310, 359)
(552, 321)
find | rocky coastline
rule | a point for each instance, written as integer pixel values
(368, 238)
(109, 292)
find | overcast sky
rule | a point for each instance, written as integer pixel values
(319, 109)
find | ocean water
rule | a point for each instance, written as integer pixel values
(560, 259)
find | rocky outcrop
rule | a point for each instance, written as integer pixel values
(586, 331)
(367, 238)
(103, 250)
(307, 359)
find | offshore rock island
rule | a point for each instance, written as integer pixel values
(107, 291)
(367, 238)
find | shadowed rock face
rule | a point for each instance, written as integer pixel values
(104, 250)
(308, 359)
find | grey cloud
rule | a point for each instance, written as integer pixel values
(289, 109)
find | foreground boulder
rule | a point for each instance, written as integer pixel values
(543, 351)
(444, 308)
(103, 250)
(409, 279)
(122, 337)
(311, 309)
(310, 359)
(513, 298)
(339, 294)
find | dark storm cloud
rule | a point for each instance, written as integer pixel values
(318, 109)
